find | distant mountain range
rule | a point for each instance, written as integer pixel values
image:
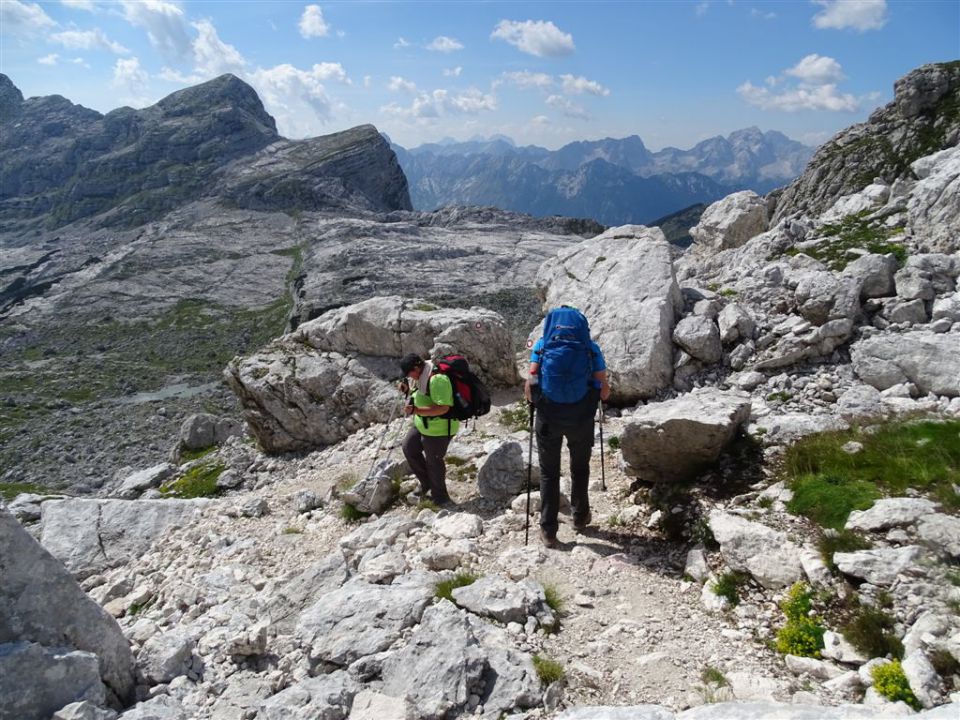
(614, 181)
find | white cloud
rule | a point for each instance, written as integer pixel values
(165, 24)
(312, 23)
(567, 107)
(817, 70)
(367, 81)
(131, 80)
(445, 44)
(19, 16)
(399, 84)
(452, 72)
(87, 5)
(212, 56)
(441, 102)
(540, 120)
(94, 39)
(525, 79)
(50, 59)
(580, 85)
(822, 97)
(175, 76)
(535, 37)
(401, 43)
(80, 61)
(700, 9)
(859, 15)
(296, 98)
(755, 13)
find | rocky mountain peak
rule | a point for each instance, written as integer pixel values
(223, 92)
(923, 117)
(10, 98)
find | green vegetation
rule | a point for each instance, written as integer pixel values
(549, 671)
(8, 491)
(553, 598)
(137, 608)
(615, 521)
(427, 504)
(191, 455)
(200, 481)
(728, 293)
(516, 417)
(871, 631)
(841, 541)
(443, 590)
(803, 634)
(854, 232)
(712, 676)
(350, 514)
(425, 307)
(781, 396)
(463, 473)
(613, 442)
(292, 531)
(829, 483)
(728, 586)
(891, 682)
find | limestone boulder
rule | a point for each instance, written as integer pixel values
(823, 296)
(887, 513)
(89, 536)
(41, 603)
(754, 548)
(623, 281)
(941, 533)
(203, 430)
(933, 208)
(674, 439)
(700, 337)
(880, 566)
(503, 473)
(326, 696)
(36, 681)
(731, 222)
(334, 375)
(874, 273)
(735, 323)
(137, 483)
(505, 600)
(928, 360)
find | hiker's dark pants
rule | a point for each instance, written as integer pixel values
(550, 437)
(425, 455)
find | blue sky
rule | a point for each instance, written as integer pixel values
(547, 73)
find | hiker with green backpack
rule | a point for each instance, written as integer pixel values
(567, 378)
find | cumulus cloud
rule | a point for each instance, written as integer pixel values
(540, 120)
(823, 97)
(50, 59)
(441, 103)
(452, 72)
(131, 80)
(859, 15)
(817, 70)
(814, 88)
(312, 23)
(399, 84)
(445, 44)
(401, 43)
(534, 37)
(580, 85)
(165, 23)
(296, 98)
(212, 56)
(568, 108)
(525, 79)
(16, 16)
(94, 39)
(87, 5)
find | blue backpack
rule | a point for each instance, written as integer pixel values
(566, 361)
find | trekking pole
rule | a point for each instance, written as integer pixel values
(603, 472)
(526, 528)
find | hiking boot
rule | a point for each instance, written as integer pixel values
(549, 539)
(582, 523)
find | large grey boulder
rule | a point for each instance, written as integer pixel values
(203, 430)
(623, 281)
(360, 619)
(135, 484)
(295, 593)
(880, 566)
(332, 376)
(699, 336)
(510, 679)
(36, 681)
(441, 666)
(928, 360)
(328, 697)
(41, 603)
(887, 513)
(503, 473)
(933, 208)
(941, 533)
(735, 323)
(822, 296)
(166, 656)
(754, 548)
(730, 222)
(874, 273)
(375, 492)
(676, 438)
(505, 600)
(89, 536)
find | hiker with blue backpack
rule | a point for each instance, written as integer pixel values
(567, 379)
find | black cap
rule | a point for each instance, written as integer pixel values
(410, 362)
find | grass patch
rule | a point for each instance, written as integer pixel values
(350, 514)
(516, 417)
(853, 232)
(781, 396)
(443, 590)
(953, 577)
(728, 586)
(428, 504)
(840, 541)
(871, 632)
(199, 481)
(464, 473)
(292, 531)
(553, 598)
(615, 521)
(891, 682)
(456, 461)
(9, 490)
(549, 671)
(613, 442)
(829, 483)
(803, 634)
(711, 676)
(191, 455)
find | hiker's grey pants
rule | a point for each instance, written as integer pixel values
(550, 437)
(425, 455)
